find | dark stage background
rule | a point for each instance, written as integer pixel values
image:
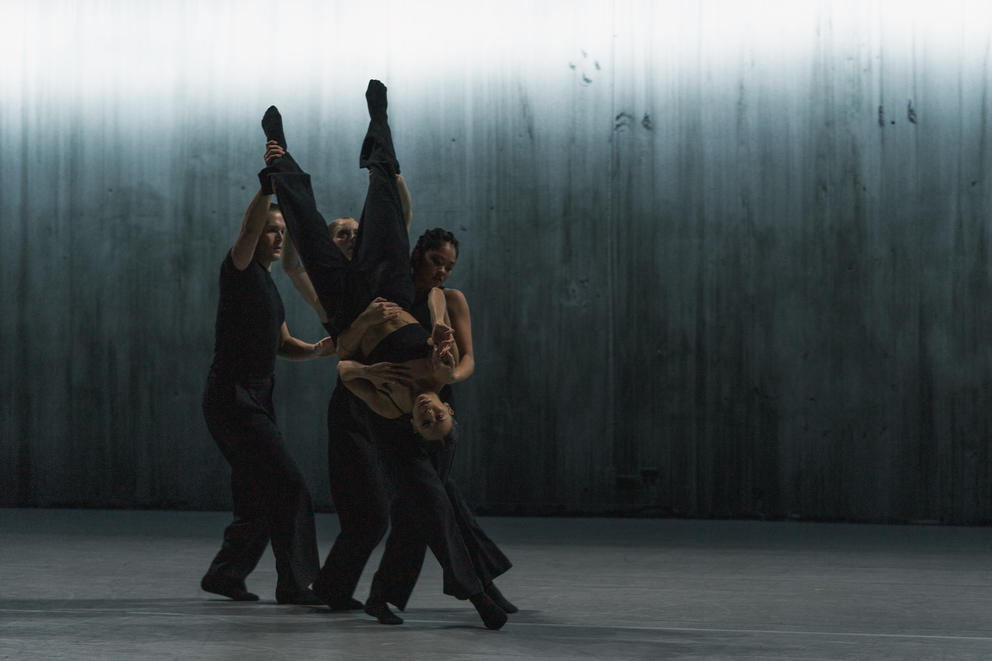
(725, 259)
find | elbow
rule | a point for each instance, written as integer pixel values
(467, 367)
(285, 350)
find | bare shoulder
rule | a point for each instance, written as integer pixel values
(454, 298)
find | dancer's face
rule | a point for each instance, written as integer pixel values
(431, 417)
(270, 243)
(435, 266)
(343, 233)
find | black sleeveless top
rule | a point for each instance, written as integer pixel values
(250, 315)
(421, 312)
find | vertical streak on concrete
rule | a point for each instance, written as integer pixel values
(613, 227)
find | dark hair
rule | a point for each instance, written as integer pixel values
(431, 240)
(274, 207)
(453, 434)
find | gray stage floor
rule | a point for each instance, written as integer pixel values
(83, 584)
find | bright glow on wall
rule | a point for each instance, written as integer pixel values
(234, 49)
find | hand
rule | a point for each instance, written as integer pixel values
(273, 151)
(385, 374)
(443, 362)
(442, 335)
(324, 348)
(443, 356)
(380, 310)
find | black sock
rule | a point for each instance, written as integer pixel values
(227, 588)
(492, 615)
(336, 602)
(498, 597)
(272, 125)
(375, 97)
(377, 147)
(380, 611)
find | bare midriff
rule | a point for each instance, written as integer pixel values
(376, 334)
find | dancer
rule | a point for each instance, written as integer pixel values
(380, 268)
(271, 500)
(431, 262)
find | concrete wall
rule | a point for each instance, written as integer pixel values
(724, 258)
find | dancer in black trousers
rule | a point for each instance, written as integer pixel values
(380, 268)
(271, 500)
(431, 263)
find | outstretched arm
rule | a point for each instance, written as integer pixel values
(292, 348)
(251, 229)
(294, 269)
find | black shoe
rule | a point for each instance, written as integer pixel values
(272, 126)
(305, 597)
(380, 611)
(227, 588)
(492, 615)
(498, 597)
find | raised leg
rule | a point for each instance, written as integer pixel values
(341, 294)
(382, 248)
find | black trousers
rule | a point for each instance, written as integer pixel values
(422, 514)
(271, 499)
(380, 265)
(358, 492)
(406, 546)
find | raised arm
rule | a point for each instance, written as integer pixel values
(405, 199)
(444, 359)
(461, 323)
(251, 229)
(294, 269)
(292, 348)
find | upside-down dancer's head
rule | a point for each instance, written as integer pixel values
(432, 418)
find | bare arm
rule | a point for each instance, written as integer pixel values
(294, 269)
(405, 199)
(362, 381)
(251, 229)
(444, 359)
(350, 339)
(292, 348)
(378, 311)
(461, 322)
